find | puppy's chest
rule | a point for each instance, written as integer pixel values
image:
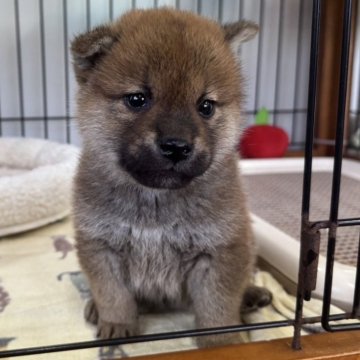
(156, 267)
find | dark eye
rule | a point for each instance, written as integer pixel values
(206, 108)
(136, 101)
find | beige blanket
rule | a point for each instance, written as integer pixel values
(43, 292)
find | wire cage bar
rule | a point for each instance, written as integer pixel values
(50, 112)
(310, 235)
(310, 127)
(335, 195)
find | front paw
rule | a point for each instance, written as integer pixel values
(108, 330)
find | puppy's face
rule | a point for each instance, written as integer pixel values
(160, 94)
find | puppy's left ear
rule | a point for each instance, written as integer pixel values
(89, 48)
(239, 32)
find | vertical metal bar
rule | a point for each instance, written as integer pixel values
(278, 59)
(156, 4)
(336, 181)
(177, 4)
(311, 107)
(297, 67)
(241, 9)
(314, 52)
(133, 4)
(357, 110)
(356, 113)
(43, 67)
(111, 10)
(199, 7)
(0, 119)
(220, 11)
(66, 61)
(19, 65)
(240, 15)
(88, 15)
(356, 302)
(259, 57)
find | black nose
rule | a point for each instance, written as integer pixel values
(175, 149)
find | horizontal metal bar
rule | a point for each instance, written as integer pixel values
(340, 327)
(144, 338)
(280, 111)
(67, 117)
(296, 143)
(163, 336)
(319, 141)
(349, 222)
(325, 224)
(37, 118)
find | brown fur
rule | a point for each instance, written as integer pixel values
(149, 232)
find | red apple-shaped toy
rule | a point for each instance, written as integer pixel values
(263, 140)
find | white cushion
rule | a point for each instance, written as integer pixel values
(35, 182)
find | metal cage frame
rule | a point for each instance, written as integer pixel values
(310, 235)
(45, 117)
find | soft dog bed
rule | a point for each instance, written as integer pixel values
(35, 182)
(40, 307)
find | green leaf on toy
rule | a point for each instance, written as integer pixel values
(262, 117)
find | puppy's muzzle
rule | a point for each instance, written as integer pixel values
(174, 149)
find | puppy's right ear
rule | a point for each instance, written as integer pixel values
(87, 49)
(239, 32)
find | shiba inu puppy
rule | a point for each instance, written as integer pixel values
(160, 216)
